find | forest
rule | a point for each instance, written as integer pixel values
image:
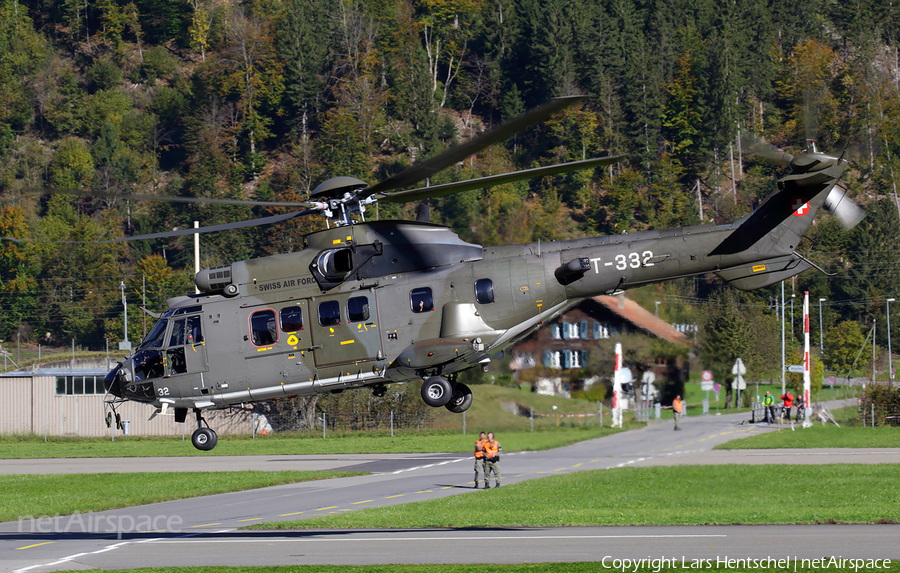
(103, 100)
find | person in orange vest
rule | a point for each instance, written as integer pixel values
(491, 461)
(788, 399)
(479, 458)
(677, 407)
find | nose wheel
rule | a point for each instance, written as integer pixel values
(203, 439)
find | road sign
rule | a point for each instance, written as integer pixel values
(706, 376)
(795, 368)
(739, 368)
(717, 387)
(739, 383)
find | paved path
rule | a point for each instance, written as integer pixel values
(203, 530)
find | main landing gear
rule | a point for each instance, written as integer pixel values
(203, 438)
(438, 391)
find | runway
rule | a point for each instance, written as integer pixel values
(204, 530)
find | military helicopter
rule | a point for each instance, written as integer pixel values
(380, 302)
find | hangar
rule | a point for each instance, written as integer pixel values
(65, 398)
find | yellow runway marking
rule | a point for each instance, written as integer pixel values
(206, 525)
(561, 470)
(36, 545)
(595, 460)
(576, 465)
(251, 519)
(287, 514)
(425, 491)
(324, 508)
(366, 501)
(393, 496)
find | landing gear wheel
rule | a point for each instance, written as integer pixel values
(460, 399)
(204, 439)
(436, 391)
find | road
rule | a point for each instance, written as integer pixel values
(204, 530)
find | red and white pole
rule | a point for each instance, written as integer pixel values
(806, 378)
(617, 389)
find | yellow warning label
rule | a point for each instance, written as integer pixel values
(292, 340)
(343, 342)
(757, 268)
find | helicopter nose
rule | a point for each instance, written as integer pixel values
(113, 383)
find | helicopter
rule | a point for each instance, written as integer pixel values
(372, 303)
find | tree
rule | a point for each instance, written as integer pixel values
(445, 25)
(682, 118)
(251, 72)
(842, 345)
(72, 166)
(302, 39)
(730, 331)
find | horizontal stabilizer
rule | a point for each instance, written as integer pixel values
(760, 274)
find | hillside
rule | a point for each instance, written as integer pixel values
(102, 100)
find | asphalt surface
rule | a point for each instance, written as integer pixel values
(204, 530)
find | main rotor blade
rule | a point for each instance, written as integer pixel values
(490, 181)
(214, 228)
(456, 154)
(756, 146)
(170, 199)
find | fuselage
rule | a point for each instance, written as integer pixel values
(385, 302)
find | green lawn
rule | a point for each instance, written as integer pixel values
(48, 495)
(680, 495)
(819, 436)
(132, 446)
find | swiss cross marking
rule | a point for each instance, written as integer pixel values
(800, 206)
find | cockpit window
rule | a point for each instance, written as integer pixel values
(421, 300)
(262, 328)
(193, 331)
(177, 336)
(157, 335)
(484, 291)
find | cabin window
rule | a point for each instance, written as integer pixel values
(421, 300)
(330, 313)
(262, 328)
(484, 291)
(358, 309)
(291, 319)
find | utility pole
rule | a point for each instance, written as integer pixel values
(890, 362)
(821, 340)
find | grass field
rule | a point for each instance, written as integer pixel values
(680, 495)
(48, 495)
(33, 447)
(819, 437)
